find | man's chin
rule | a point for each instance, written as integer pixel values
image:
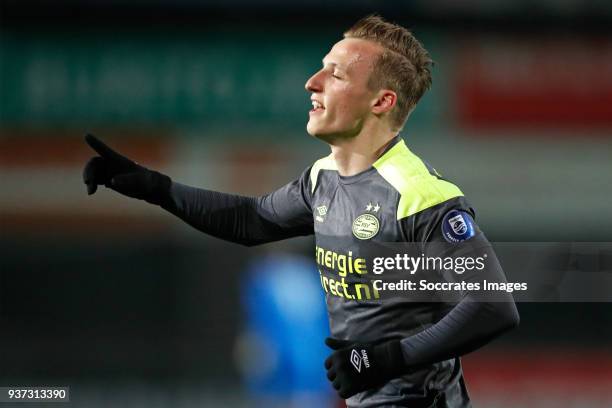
(311, 128)
(329, 137)
(318, 134)
(316, 129)
(313, 131)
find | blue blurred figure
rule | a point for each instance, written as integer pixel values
(281, 352)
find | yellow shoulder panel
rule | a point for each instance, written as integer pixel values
(326, 163)
(418, 189)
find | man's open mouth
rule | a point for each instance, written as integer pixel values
(316, 106)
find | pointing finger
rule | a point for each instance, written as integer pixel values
(101, 148)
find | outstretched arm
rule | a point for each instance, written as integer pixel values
(244, 220)
(282, 214)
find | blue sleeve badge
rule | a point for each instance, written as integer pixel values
(458, 226)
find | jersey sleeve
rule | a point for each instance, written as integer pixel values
(282, 214)
(478, 317)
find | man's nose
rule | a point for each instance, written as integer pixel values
(314, 83)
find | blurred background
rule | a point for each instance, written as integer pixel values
(130, 307)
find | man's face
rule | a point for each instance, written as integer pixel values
(340, 94)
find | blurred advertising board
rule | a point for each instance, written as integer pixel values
(529, 82)
(236, 79)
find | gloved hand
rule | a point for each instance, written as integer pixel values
(355, 367)
(123, 175)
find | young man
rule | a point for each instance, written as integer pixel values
(371, 189)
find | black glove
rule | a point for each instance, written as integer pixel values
(123, 175)
(356, 367)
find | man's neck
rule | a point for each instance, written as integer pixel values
(357, 154)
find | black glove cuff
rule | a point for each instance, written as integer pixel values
(392, 352)
(160, 192)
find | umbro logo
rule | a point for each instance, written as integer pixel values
(321, 212)
(357, 359)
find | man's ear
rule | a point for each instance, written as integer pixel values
(384, 102)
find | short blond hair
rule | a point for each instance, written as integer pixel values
(404, 66)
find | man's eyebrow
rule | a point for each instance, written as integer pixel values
(333, 64)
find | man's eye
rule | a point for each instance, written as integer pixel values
(336, 76)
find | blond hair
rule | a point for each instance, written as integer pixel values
(404, 66)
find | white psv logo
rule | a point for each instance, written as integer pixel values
(365, 226)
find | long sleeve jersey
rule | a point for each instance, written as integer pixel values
(399, 199)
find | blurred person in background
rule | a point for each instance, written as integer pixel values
(371, 188)
(279, 351)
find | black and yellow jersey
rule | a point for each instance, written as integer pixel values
(399, 199)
